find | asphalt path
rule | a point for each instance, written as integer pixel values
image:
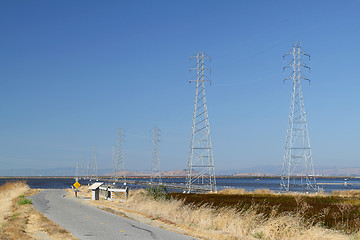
(87, 222)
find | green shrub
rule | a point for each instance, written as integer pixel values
(259, 235)
(157, 192)
(22, 200)
(15, 215)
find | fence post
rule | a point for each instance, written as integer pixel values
(126, 193)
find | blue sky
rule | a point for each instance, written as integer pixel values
(72, 72)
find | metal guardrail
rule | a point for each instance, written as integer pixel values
(109, 193)
(178, 186)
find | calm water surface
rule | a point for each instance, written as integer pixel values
(248, 184)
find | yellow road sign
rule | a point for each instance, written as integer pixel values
(76, 184)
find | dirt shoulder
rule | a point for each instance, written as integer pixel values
(20, 220)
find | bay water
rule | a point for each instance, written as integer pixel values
(247, 183)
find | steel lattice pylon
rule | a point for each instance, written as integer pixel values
(155, 164)
(88, 170)
(201, 171)
(77, 172)
(118, 158)
(94, 167)
(298, 170)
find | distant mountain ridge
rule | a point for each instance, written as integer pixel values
(69, 172)
(31, 172)
(171, 173)
(265, 171)
(272, 170)
(338, 171)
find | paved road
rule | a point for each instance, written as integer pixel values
(86, 222)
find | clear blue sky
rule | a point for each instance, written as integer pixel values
(72, 72)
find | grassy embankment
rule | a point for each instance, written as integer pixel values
(18, 218)
(236, 214)
(339, 211)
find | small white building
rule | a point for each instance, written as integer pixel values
(95, 190)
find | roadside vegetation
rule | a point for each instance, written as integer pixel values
(339, 211)
(237, 214)
(255, 215)
(22, 200)
(18, 218)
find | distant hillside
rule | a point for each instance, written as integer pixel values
(172, 173)
(254, 175)
(268, 171)
(260, 171)
(129, 174)
(263, 170)
(30, 172)
(177, 173)
(338, 171)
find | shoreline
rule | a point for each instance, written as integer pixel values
(174, 177)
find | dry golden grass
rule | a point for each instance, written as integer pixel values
(233, 191)
(293, 227)
(346, 193)
(207, 222)
(263, 191)
(8, 192)
(23, 222)
(83, 191)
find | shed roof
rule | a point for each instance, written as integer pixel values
(95, 185)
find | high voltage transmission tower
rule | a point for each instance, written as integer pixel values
(77, 172)
(298, 170)
(118, 158)
(83, 171)
(114, 163)
(88, 170)
(94, 167)
(83, 168)
(155, 164)
(200, 172)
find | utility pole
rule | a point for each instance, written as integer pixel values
(297, 170)
(200, 171)
(155, 164)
